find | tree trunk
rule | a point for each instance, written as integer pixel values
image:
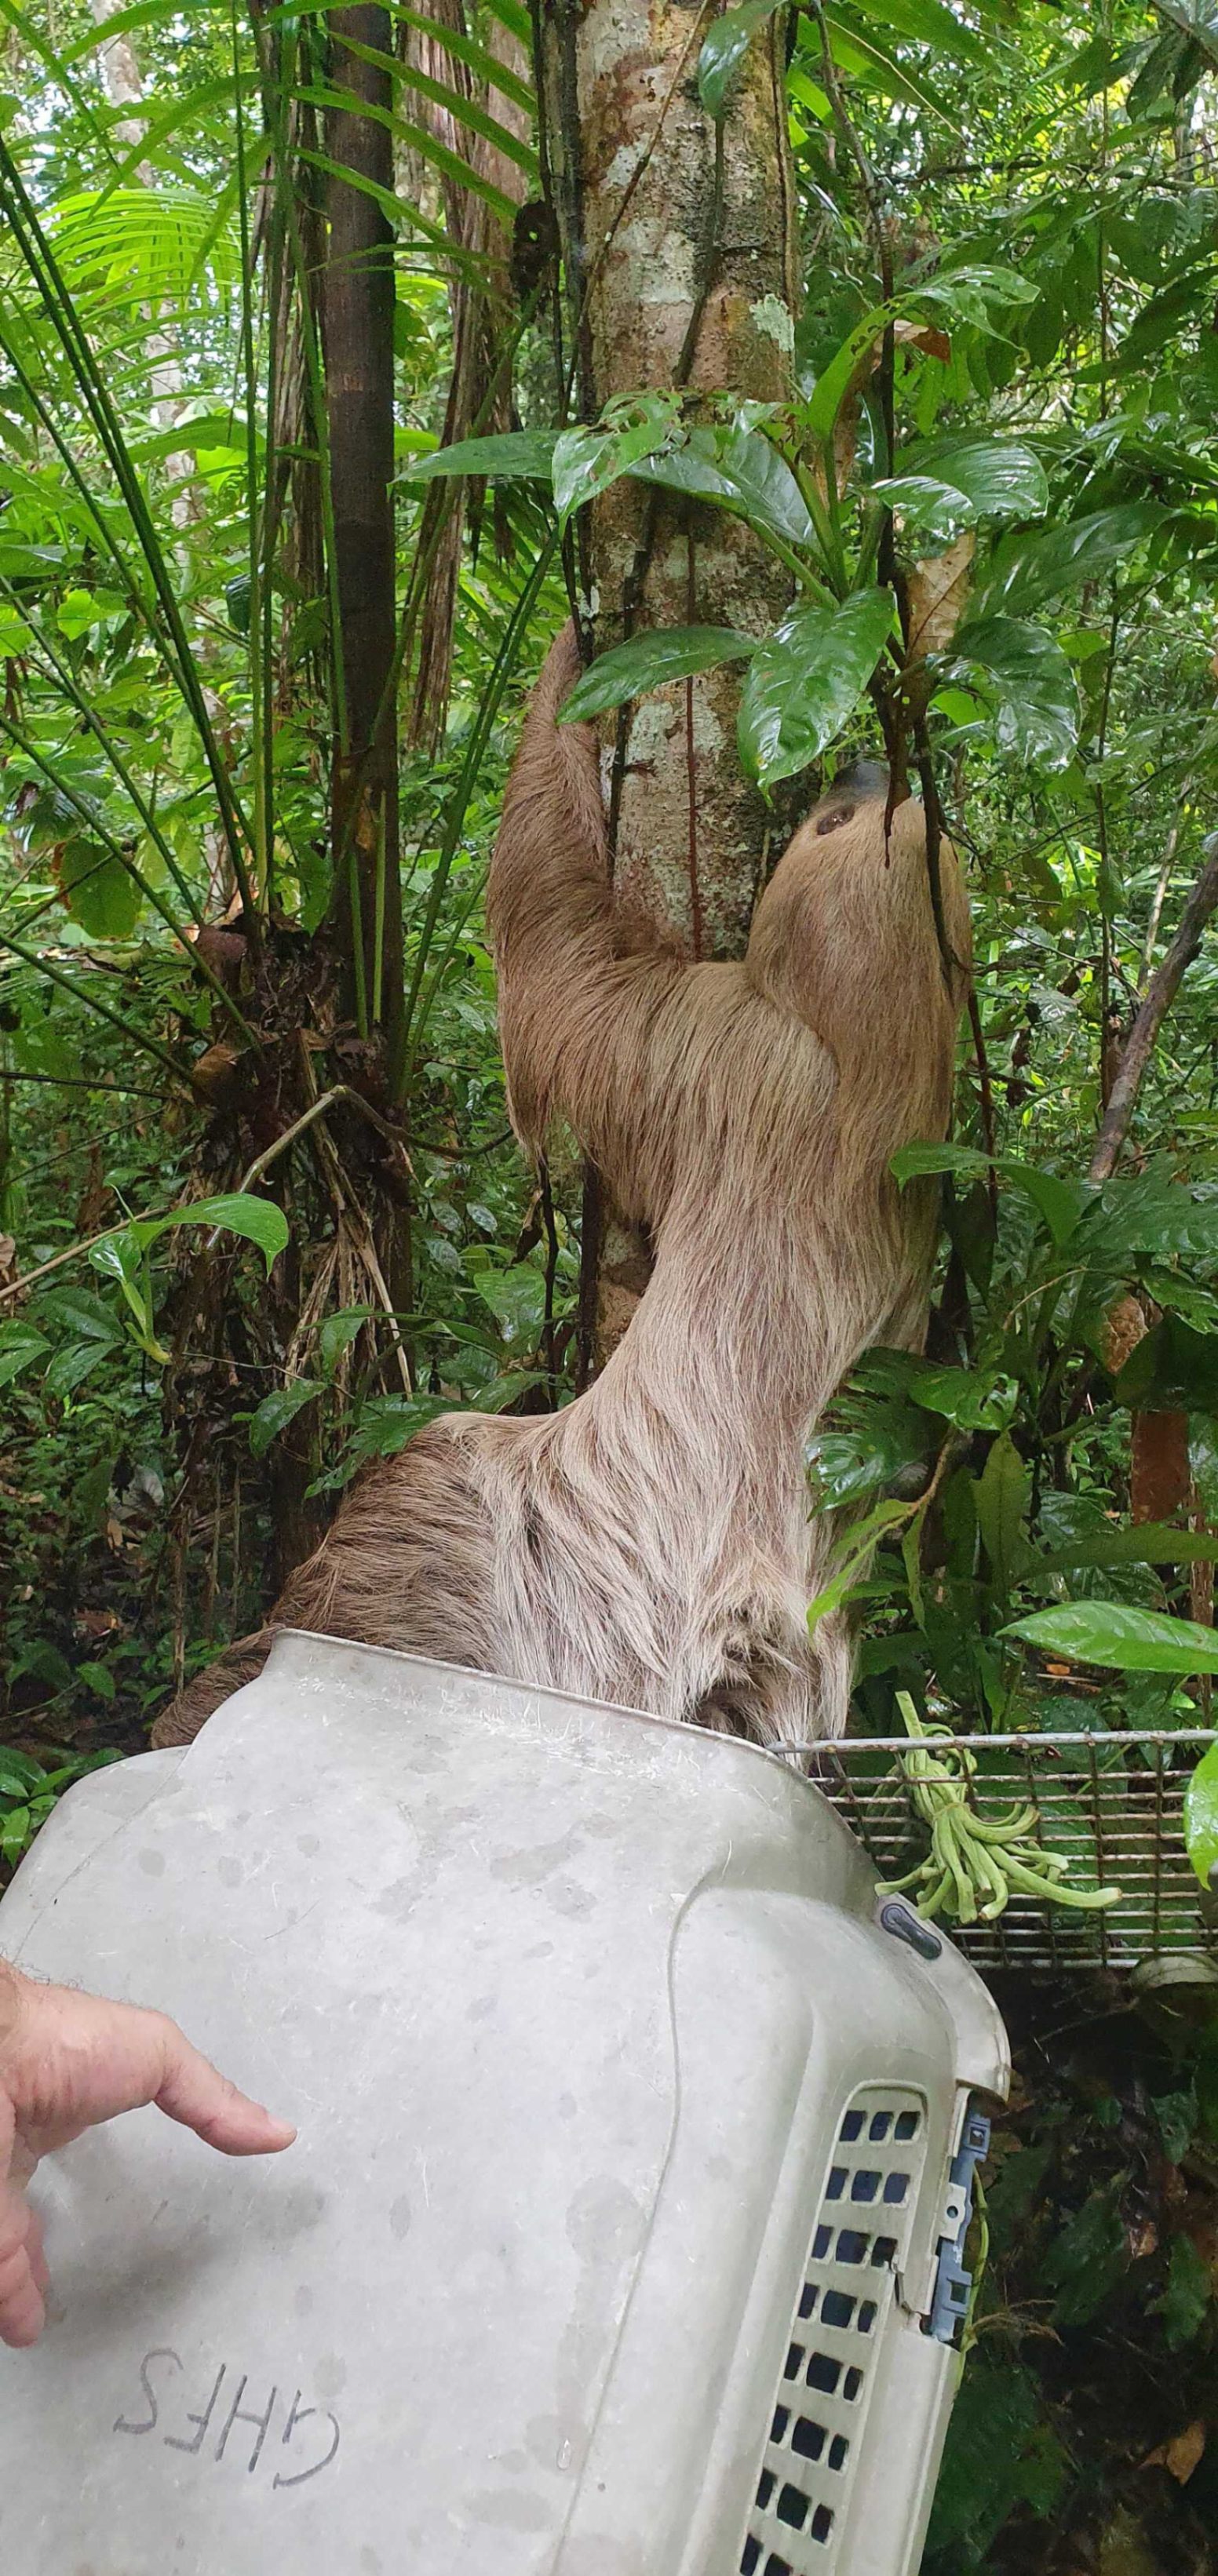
(679, 255)
(357, 332)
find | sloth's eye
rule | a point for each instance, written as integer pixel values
(833, 822)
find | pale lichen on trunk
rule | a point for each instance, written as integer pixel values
(680, 264)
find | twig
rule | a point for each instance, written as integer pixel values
(1160, 994)
(986, 1090)
(1160, 894)
(325, 1100)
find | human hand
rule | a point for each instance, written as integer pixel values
(68, 2061)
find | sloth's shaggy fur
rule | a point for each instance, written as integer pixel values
(650, 1544)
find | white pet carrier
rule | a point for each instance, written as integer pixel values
(623, 2234)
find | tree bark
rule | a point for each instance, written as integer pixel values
(357, 334)
(679, 253)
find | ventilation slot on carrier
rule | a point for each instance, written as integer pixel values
(848, 2287)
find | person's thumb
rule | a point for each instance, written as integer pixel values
(193, 2091)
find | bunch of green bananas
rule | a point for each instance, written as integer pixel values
(975, 1863)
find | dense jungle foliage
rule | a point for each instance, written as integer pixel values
(1007, 368)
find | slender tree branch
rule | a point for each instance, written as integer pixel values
(1160, 994)
(1160, 893)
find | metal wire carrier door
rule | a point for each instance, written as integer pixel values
(1110, 1805)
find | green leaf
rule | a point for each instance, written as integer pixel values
(1088, 2260)
(1172, 1369)
(926, 22)
(743, 471)
(1131, 1641)
(100, 1680)
(1001, 1497)
(806, 680)
(517, 1300)
(955, 482)
(911, 1162)
(279, 1408)
(81, 1312)
(853, 1556)
(1185, 2299)
(238, 599)
(1145, 1543)
(587, 460)
(524, 455)
(338, 1332)
(1155, 1213)
(863, 61)
(14, 1832)
(1176, 2114)
(1031, 681)
(97, 890)
(648, 661)
(1060, 1203)
(20, 1343)
(724, 50)
(1201, 1817)
(385, 1425)
(1000, 2455)
(72, 1363)
(973, 1399)
(259, 1221)
(1026, 570)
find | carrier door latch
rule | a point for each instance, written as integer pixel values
(953, 2283)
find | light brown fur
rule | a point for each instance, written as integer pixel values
(650, 1544)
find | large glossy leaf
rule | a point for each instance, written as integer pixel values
(20, 1343)
(260, 1221)
(974, 1399)
(522, 454)
(1025, 570)
(806, 680)
(1060, 1203)
(587, 461)
(725, 48)
(1201, 1818)
(949, 483)
(743, 472)
(1031, 682)
(647, 661)
(1110, 1632)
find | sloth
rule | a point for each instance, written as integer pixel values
(650, 1544)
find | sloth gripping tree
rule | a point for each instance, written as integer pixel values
(679, 260)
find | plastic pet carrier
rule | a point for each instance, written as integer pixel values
(625, 2230)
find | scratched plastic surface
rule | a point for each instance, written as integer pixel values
(565, 2003)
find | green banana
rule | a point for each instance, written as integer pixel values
(976, 1863)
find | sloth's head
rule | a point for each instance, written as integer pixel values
(852, 875)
